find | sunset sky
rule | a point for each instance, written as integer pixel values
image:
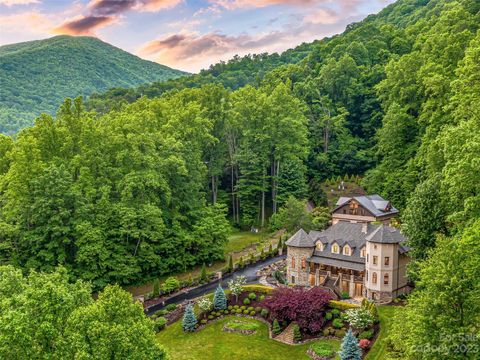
(184, 34)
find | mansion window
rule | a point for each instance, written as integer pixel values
(367, 258)
(366, 275)
(375, 260)
(385, 279)
(293, 279)
(304, 263)
(374, 278)
(319, 246)
(346, 250)
(363, 252)
(293, 262)
(387, 261)
(335, 249)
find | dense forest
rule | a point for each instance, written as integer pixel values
(143, 182)
(37, 75)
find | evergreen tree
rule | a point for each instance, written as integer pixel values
(297, 335)
(276, 329)
(230, 264)
(240, 262)
(203, 274)
(219, 299)
(156, 287)
(189, 322)
(350, 349)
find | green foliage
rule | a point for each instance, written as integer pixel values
(156, 287)
(246, 301)
(276, 329)
(160, 324)
(337, 323)
(297, 335)
(350, 349)
(359, 318)
(236, 286)
(170, 285)
(219, 299)
(366, 335)
(322, 349)
(252, 296)
(230, 263)
(170, 307)
(328, 316)
(264, 313)
(37, 75)
(189, 321)
(242, 325)
(292, 216)
(57, 319)
(203, 274)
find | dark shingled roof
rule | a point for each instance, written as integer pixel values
(373, 203)
(345, 264)
(300, 239)
(386, 235)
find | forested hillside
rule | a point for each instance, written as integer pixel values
(36, 76)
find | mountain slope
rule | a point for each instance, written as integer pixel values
(37, 75)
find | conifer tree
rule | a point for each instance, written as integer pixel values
(350, 349)
(276, 327)
(219, 299)
(297, 335)
(240, 262)
(203, 274)
(156, 287)
(189, 321)
(230, 264)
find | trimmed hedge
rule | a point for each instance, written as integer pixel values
(258, 288)
(342, 305)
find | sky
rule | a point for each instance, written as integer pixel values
(185, 34)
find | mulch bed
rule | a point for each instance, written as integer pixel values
(314, 356)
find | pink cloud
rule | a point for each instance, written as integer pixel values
(238, 4)
(84, 25)
(18, 2)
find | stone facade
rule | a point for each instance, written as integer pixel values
(297, 265)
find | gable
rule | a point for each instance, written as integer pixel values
(352, 207)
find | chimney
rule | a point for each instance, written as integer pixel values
(364, 227)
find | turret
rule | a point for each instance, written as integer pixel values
(299, 249)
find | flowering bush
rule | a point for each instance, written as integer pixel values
(305, 307)
(365, 344)
(205, 305)
(359, 318)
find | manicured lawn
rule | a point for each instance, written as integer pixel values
(240, 240)
(379, 348)
(213, 343)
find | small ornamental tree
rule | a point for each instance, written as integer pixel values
(276, 329)
(251, 258)
(270, 249)
(350, 349)
(236, 285)
(203, 274)
(171, 284)
(305, 307)
(219, 299)
(297, 335)
(230, 264)
(156, 287)
(359, 318)
(205, 305)
(189, 322)
(240, 262)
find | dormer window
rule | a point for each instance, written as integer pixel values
(335, 249)
(319, 246)
(347, 250)
(363, 252)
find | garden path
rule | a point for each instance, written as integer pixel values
(287, 335)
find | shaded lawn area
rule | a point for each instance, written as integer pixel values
(379, 349)
(213, 343)
(239, 240)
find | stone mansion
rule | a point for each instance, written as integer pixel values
(359, 254)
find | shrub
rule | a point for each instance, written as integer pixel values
(213, 313)
(189, 322)
(264, 313)
(252, 296)
(236, 307)
(335, 313)
(230, 307)
(341, 305)
(217, 314)
(236, 286)
(203, 274)
(368, 334)
(246, 301)
(328, 316)
(364, 344)
(276, 327)
(170, 307)
(250, 308)
(245, 312)
(326, 332)
(262, 297)
(243, 307)
(305, 307)
(253, 313)
(258, 309)
(297, 335)
(203, 321)
(219, 299)
(345, 295)
(322, 349)
(340, 333)
(238, 311)
(210, 317)
(226, 312)
(161, 312)
(337, 323)
(331, 330)
(170, 285)
(371, 307)
(258, 288)
(360, 318)
(159, 324)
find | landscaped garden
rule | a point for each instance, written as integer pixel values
(308, 322)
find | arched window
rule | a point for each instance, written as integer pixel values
(293, 262)
(385, 279)
(346, 250)
(374, 278)
(304, 263)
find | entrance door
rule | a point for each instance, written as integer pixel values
(345, 286)
(358, 290)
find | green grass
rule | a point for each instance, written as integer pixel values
(213, 343)
(240, 240)
(242, 325)
(379, 349)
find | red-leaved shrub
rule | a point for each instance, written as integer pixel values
(365, 344)
(306, 307)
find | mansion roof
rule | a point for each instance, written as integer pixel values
(375, 204)
(355, 235)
